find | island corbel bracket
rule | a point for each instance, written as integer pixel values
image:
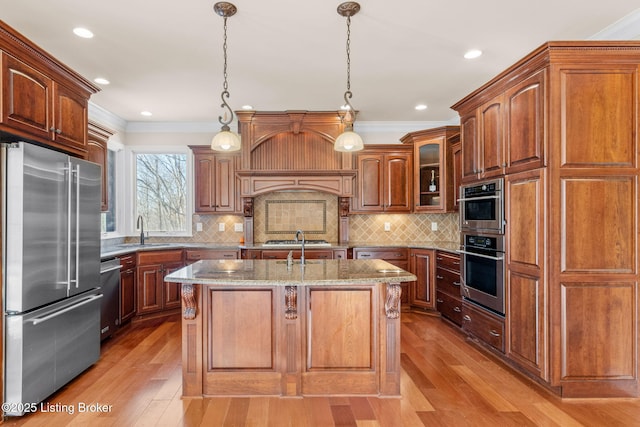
(392, 303)
(189, 301)
(291, 302)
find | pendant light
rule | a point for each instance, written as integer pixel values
(348, 140)
(225, 140)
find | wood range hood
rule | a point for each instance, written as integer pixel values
(293, 150)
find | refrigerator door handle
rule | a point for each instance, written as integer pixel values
(50, 316)
(77, 226)
(69, 171)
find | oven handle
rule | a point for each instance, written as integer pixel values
(481, 255)
(479, 198)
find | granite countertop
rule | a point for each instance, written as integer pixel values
(126, 248)
(276, 272)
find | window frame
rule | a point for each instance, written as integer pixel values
(118, 148)
(132, 152)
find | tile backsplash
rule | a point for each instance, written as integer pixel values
(278, 215)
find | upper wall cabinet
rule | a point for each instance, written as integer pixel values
(385, 180)
(216, 185)
(505, 133)
(97, 139)
(435, 176)
(42, 100)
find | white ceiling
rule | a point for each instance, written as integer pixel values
(166, 56)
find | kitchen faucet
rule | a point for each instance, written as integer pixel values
(301, 233)
(140, 225)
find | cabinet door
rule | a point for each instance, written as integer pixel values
(398, 179)
(491, 154)
(525, 124)
(127, 294)
(97, 153)
(456, 176)
(70, 112)
(205, 197)
(225, 176)
(422, 292)
(26, 98)
(150, 289)
(215, 182)
(429, 177)
(370, 182)
(469, 137)
(172, 291)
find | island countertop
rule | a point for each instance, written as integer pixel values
(277, 272)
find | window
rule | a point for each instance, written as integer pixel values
(109, 217)
(161, 195)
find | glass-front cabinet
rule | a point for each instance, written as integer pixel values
(435, 174)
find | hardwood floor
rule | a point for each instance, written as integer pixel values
(446, 381)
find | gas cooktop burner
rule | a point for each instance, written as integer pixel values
(293, 242)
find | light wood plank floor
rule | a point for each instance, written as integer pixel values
(446, 381)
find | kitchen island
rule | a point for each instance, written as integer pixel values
(268, 327)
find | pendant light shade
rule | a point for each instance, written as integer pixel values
(348, 140)
(225, 140)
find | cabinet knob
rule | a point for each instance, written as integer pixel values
(494, 333)
(457, 309)
(439, 301)
(466, 318)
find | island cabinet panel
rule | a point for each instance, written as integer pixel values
(340, 329)
(396, 256)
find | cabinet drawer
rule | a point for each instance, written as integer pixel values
(159, 257)
(385, 254)
(449, 307)
(448, 260)
(448, 281)
(198, 254)
(127, 261)
(485, 326)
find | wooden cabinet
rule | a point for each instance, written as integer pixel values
(448, 297)
(483, 325)
(385, 179)
(396, 256)
(570, 125)
(308, 253)
(506, 133)
(422, 292)
(97, 139)
(127, 287)
(435, 181)
(56, 113)
(154, 294)
(194, 255)
(456, 161)
(216, 185)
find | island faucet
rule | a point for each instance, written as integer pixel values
(301, 233)
(140, 225)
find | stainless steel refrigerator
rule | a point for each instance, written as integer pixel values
(51, 271)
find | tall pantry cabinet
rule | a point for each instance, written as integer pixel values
(563, 129)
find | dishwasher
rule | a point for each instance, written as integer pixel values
(110, 288)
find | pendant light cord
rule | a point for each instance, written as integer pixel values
(225, 85)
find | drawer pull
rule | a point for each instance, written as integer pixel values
(439, 301)
(457, 309)
(364, 256)
(494, 333)
(456, 283)
(228, 256)
(456, 263)
(439, 277)
(439, 258)
(466, 318)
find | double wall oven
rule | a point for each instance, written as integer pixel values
(482, 244)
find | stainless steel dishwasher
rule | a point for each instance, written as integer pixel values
(110, 288)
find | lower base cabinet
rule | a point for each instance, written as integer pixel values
(396, 256)
(422, 292)
(154, 295)
(485, 326)
(127, 287)
(448, 297)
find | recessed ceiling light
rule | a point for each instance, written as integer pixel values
(101, 81)
(82, 32)
(473, 53)
(247, 107)
(146, 113)
(421, 107)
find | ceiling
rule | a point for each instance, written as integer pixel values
(166, 56)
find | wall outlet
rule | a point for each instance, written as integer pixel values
(198, 226)
(387, 226)
(221, 226)
(434, 226)
(237, 227)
